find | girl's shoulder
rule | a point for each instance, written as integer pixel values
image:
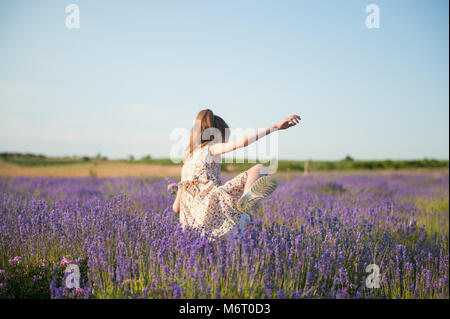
(204, 148)
(200, 150)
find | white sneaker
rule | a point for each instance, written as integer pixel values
(262, 187)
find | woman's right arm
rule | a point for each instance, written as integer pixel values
(243, 141)
(176, 203)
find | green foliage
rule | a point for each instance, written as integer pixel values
(348, 158)
(344, 165)
(434, 214)
(35, 160)
(158, 161)
(25, 279)
(146, 159)
(240, 165)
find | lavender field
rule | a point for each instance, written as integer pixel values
(313, 238)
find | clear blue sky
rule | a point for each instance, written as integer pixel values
(137, 69)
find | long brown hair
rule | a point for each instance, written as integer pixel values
(204, 120)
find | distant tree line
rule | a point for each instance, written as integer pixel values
(348, 163)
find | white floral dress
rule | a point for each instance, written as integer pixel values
(205, 204)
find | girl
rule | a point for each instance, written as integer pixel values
(202, 202)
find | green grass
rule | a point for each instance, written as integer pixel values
(434, 214)
(39, 160)
(347, 165)
(283, 165)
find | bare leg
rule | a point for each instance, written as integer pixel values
(253, 174)
(260, 185)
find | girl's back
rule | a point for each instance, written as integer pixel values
(205, 204)
(201, 165)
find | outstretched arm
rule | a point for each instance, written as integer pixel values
(243, 141)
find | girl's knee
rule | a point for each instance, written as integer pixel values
(260, 168)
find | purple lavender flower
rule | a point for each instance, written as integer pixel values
(172, 188)
(309, 239)
(15, 261)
